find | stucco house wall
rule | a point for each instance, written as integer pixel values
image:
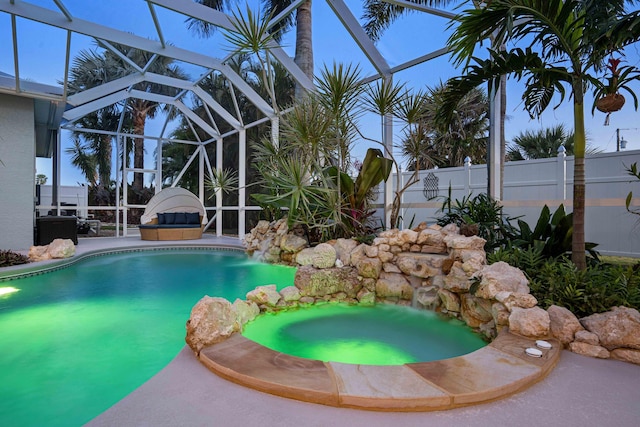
(17, 172)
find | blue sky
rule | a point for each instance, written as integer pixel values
(42, 59)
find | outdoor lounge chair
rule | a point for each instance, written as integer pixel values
(173, 214)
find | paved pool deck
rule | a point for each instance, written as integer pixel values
(580, 392)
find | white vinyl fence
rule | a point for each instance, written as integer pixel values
(530, 184)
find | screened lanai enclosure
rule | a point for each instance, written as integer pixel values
(131, 96)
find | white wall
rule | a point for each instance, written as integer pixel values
(17, 172)
(71, 194)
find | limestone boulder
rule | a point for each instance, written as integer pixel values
(564, 324)
(432, 241)
(366, 297)
(290, 293)
(369, 267)
(262, 227)
(589, 350)
(39, 253)
(293, 243)
(420, 265)
(264, 295)
(61, 248)
(358, 254)
(212, 320)
(475, 311)
(321, 256)
(500, 277)
(515, 299)
(587, 337)
(449, 300)
(272, 254)
(343, 248)
(457, 280)
(246, 311)
(318, 283)
(458, 241)
(529, 322)
(408, 236)
(448, 229)
(371, 251)
(617, 328)
(500, 314)
(626, 355)
(391, 285)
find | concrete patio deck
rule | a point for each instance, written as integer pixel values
(580, 392)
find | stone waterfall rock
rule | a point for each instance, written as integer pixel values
(393, 285)
(420, 264)
(318, 283)
(321, 256)
(212, 320)
(293, 243)
(501, 277)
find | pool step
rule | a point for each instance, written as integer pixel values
(496, 371)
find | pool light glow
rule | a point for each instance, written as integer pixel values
(6, 290)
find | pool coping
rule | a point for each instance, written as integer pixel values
(493, 372)
(121, 245)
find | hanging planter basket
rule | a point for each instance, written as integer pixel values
(610, 103)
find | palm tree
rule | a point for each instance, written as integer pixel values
(91, 69)
(567, 41)
(466, 136)
(304, 45)
(541, 144)
(379, 15)
(142, 109)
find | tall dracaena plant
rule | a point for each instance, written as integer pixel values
(388, 98)
(250, 35)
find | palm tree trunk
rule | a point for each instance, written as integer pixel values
(503, 142)
(304, 45)
(577, 244)
(139, 120)
(104, 161)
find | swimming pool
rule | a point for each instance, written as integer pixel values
(75, 341)
(369, 335)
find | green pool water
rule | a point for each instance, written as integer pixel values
(372, 335)
(75, 341)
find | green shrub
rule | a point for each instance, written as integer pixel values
(482, 212)
(557, 281)
(9, 258)
(552, 234)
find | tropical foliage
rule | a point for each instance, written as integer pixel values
(479, 215)
(567, 42)
(9, 258)
(307, 169)
(92, 152)
(540, 144)
(431, 145)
